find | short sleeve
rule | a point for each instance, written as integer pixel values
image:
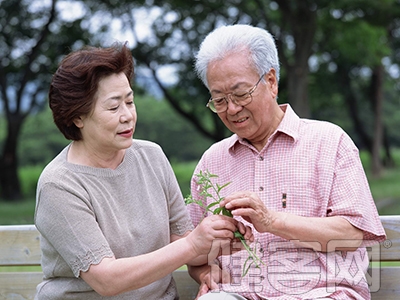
(351, 197)
(67, 223)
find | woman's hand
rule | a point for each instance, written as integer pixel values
(212, 228)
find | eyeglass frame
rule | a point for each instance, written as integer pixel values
(229, 96)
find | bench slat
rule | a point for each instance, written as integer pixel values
(19, 245)
(22, 285)
(19, 285)
(389, 285)
(25, 284)
(390, 249)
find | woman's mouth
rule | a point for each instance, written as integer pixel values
(126, 133)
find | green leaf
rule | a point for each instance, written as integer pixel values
(212, 204)
(217, 210)
(226, 184)
(246, 267)
(226, 212)
(205, 184)
(238, 235)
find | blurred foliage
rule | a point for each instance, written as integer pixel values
(158, 122)
(41, 141)
(328, 51)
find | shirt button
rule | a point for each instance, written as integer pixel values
(260, 158)
(260, 188)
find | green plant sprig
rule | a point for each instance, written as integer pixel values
(205, 183)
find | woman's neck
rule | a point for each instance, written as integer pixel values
(79, 153)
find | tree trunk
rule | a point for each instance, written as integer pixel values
(10, 188)
(298, 91)
(388, 160)
(350, 99)
(300, 19)
(377, 100)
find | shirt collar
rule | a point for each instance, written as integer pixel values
(290, 125)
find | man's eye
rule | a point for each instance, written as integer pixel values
(241, 95)
(114, 108)
(219, 101)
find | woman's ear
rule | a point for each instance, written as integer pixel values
(78, 122)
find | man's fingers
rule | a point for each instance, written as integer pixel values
(203, 289)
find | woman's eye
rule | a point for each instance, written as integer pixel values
(114, 108)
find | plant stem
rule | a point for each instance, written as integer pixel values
(204, 181)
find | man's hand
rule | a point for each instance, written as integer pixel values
(250, 207)
(208, 276)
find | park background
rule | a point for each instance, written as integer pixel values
(339, 59)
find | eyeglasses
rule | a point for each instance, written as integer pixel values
(240, 98)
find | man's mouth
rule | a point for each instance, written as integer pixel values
(241, 120)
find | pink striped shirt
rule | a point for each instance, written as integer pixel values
(317, 166)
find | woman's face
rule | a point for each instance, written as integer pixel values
(111, 124)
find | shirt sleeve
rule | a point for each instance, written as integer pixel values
(351, 197)
(66, 220)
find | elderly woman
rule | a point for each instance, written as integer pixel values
(109, 208)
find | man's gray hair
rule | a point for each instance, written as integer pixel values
(236, 38)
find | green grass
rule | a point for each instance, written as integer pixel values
(21, 212)
(21, 269)
(14, 213)
(28, 178)
(386, 188)
(386, 192)
(184, 171)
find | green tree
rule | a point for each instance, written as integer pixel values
(352, 33)
(34, 150)
(32, 39)
(159, 122)
(358, 38)
(181, 26)
(344, 37)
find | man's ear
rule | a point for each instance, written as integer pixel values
(272, 82)
(78, 122)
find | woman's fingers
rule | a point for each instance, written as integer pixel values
(212, 228)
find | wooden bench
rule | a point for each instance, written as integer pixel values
(19, 246)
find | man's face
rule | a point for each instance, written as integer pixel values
(257, 120)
